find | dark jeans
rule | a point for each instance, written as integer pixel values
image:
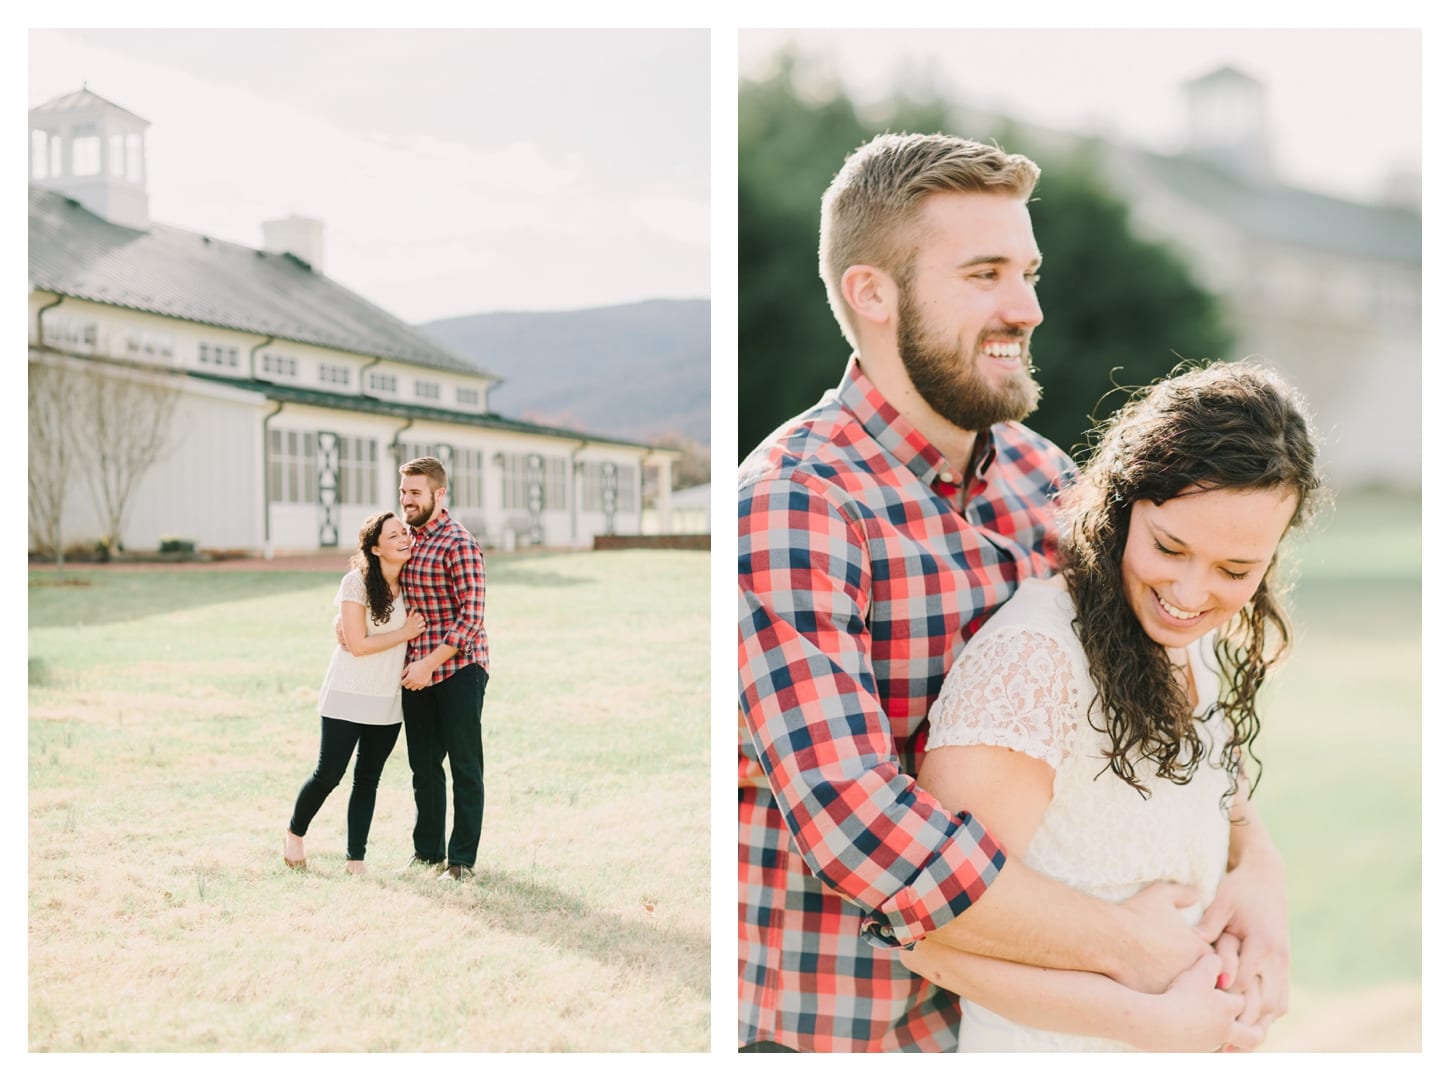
(374, 742)
(446, 720)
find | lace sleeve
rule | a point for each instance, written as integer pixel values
(352, 589)
(1013, 690)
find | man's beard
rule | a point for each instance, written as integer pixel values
(950, 380)
(421, 515)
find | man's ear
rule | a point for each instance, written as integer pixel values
(870, 293)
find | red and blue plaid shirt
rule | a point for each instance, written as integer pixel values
(864, 566)
(445, 579)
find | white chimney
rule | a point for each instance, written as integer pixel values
(297, 236)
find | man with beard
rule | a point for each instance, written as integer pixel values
(445, 673)
(877, 531)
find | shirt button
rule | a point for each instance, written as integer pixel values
(947, 478)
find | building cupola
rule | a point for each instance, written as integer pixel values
(93, 151)
(1227, 123)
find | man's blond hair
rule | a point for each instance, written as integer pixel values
(869, 209)
(431, 468)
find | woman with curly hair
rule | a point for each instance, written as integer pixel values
(1101, 723)
(361, 699)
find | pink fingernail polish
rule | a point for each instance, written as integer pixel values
(1222, 980)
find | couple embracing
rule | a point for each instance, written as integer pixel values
(412, 654)
(997, 718)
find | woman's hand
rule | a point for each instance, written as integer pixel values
(414, 625)
(1254, 1019)
(1252, 905)
(1193, 1015)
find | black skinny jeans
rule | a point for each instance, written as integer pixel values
(374, 742)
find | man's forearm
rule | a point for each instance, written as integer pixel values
(1032, 919)
(439, 654)
(1143, 943)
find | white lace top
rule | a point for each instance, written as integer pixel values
(1022, 682)
(365, 690)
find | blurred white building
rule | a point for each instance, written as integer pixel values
(1325, 290)
(298, 398)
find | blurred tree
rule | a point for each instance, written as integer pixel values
(1118, 311)
(691, 470)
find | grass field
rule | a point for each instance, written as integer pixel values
(172, 719)
(1341, 788)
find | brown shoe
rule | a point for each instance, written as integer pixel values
(456, 872)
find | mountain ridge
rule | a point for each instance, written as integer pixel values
(638, 371)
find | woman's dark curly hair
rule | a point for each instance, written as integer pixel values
(1205, 426)
(380, 597)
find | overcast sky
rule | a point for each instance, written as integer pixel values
(1343, 105)
(455, 171)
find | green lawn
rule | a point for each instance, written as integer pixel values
(172, 719)
(1341, 746)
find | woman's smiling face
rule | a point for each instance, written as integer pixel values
(1192, 562)
(395, 543)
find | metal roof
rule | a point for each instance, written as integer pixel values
(281, 392)
(1289, 215)
(77, 100)
(185, 275)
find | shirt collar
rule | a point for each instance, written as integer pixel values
(432, 526)
(899, 438)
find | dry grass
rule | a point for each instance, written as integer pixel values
(166, 749)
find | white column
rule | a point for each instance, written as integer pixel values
(662, 496)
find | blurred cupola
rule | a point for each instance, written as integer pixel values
(93, 151)
(1227, 123)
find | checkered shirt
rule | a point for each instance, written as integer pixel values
(860, 577)
(445, 579)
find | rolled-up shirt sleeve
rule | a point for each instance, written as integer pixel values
(467, 581)
(814, 721)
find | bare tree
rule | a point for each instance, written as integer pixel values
(53, 453)
(122, 425)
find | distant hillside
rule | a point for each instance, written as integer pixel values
(636, 371)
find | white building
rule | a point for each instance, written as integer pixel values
(298, 398)
(1327, 290)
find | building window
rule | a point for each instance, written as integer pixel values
(466, 484)
(148, 344)
(85, 152)
(382, 382)
(337, 374)
(408, 451)
(467, 396)
(279, 364)
(218, 356)
(358, 464)
(292, 469)
(597, 482)
(522, 470)
(72, 335)
(55, 155)
(427, 388)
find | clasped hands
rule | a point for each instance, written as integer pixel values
(1237, 986)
